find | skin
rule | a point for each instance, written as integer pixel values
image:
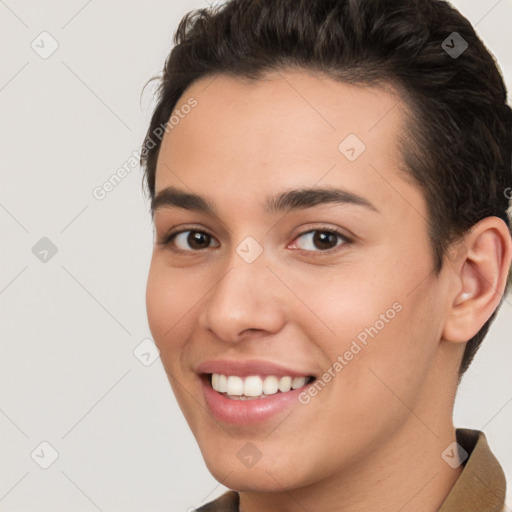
(373, 437)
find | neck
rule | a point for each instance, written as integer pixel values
(405, 474)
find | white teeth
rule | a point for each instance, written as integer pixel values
(235, 385)
(298, 382)
(285, 384)
(222, 385)
(254, 386)
(270, 385)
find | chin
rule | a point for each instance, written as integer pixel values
(266, 475)
(249, 479)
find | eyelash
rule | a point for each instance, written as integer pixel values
(168, 239)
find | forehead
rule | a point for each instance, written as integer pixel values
(289, 129)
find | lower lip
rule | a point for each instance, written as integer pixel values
(247, 412)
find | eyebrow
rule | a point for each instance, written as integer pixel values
(297, 199)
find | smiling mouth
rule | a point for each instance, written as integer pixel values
(254, 387)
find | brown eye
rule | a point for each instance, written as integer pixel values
(321, 240)
(190, 240)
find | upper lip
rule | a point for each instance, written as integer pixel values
(245, 368)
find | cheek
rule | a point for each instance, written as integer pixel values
(168, 302)
(382, 334)
(345, 305)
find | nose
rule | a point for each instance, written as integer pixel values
(246, 298)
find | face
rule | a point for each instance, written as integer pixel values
(267, 282)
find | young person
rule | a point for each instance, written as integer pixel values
(328, 184)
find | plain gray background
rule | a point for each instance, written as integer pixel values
(71, 323)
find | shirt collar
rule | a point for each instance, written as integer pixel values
(481, 485)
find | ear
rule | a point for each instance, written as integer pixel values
(481, 269)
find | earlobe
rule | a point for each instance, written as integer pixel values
(482, 272)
